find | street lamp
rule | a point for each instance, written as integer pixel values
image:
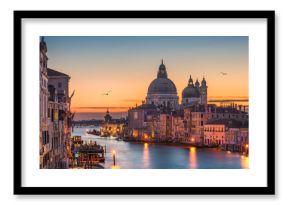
(247, 149)
(114, 157)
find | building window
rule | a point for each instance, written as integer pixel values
(59, 84)
(45, 137)
(135, 115)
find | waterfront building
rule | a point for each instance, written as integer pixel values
(144, 121)
(228, 113)
(195, 117)
(55, 115)
(112, 127)
(230, 134)
(162, 91)
(166, 122)
(214, 134)
(237, 139)
(59, 117)
(44, 143)
(178, 128)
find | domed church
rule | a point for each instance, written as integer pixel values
(162, 91)
(194, 93)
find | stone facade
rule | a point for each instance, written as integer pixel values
(214, 134)
(55, 115)
(44, 143)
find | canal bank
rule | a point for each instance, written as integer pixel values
(136, 155)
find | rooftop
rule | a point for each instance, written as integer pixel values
(229, 123)
(51, 72)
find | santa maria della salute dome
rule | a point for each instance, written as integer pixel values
(162, 91)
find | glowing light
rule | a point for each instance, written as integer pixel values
(247, 146)
(114, 152)
(135, 133)
(229, 152)
(192, 139)
(116, 167)
(145, 136)
(245, 162)
(192, 149)
(192, 157)
(146, 161)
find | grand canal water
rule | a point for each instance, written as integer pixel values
(156, 156)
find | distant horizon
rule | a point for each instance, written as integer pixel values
(119, 109)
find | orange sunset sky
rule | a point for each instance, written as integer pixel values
(126, 65)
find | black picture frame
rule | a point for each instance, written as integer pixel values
(268, 190)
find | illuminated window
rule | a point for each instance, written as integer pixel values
(135, 115)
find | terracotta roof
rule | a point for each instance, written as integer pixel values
(51, 72)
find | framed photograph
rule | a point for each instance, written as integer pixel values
(144, 102)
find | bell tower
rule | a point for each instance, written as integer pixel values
(203, 92)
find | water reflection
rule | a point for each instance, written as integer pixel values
(192, 157)
(115, 167)
(130, 155)
(244, 162)
(146, 155)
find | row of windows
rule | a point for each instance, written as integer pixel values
(214, 137)
(228, 115)
(214, 130)
(218, 142)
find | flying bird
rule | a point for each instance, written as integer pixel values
(222, 73)
(107, 93)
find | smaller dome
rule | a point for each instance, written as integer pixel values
(190, 91)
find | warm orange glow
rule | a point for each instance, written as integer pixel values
(88, 96)
(192, 149)
(146, 155)
(192, 157)
(192, 139)
(135, 133)
(247, 146)
(229, 152)
(116, 167)
(99, 109)
(245, 162)
(114, 152)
